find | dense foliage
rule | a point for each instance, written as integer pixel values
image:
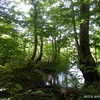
(39, 42)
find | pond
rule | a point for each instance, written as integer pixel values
(71, 77)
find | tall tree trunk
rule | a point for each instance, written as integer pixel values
(41, 50)
(30, 63)
(35, 48)
(86, 60)
(35, 31)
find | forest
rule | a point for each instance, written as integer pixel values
(49, 49)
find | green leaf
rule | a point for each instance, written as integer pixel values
(28, 91)
(86, 1)
(37, 92)
(18, 86)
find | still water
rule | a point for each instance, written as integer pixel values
(73, 77)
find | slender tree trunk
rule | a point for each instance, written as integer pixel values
(30, 63)
(96, 59)
(53, 49)
(35, 48)
(35, 31)
(41, 51)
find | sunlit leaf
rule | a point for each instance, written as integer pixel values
(19, 86)
(37, 92)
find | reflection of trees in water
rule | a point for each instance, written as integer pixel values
(52, 80)
(71, 78)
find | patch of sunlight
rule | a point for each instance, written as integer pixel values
(5, 36)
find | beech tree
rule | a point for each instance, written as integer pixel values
(86, 61)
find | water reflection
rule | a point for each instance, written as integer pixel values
(71, 78)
